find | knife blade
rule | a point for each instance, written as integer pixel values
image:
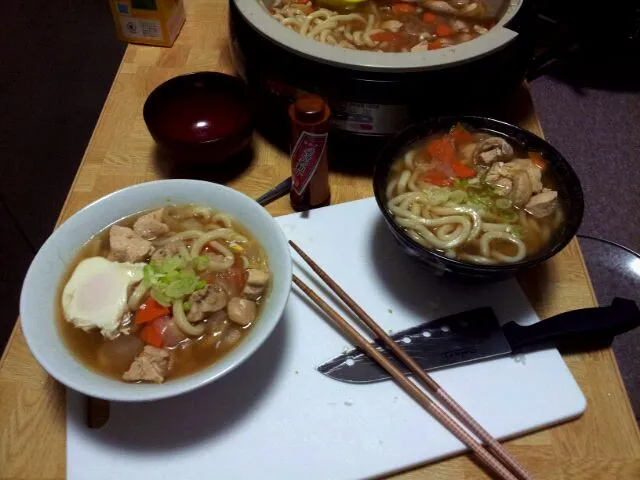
(476, 335)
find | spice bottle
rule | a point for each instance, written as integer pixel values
(309, 165)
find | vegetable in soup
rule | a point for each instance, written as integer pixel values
(162, 294)
(389, 25)
(475, 197)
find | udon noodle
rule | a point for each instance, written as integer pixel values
(386, 26)
(183, 285)
(465, 194)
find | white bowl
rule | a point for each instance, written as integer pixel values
(39, 298)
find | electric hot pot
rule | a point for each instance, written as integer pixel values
(373, 94)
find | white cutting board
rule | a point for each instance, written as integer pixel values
(276, 417)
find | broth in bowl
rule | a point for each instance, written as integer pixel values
(163, 293)
(389, 25)
(475, 197)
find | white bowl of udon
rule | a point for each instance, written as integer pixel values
(318, 33)
(41, 294)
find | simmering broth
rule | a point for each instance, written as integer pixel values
(389, 25)
(475, 197)
(223, 277)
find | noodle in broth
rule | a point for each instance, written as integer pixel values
(386, 25)
(466, 195)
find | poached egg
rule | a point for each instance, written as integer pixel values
(96, 294)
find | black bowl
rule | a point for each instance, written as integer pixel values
(569, 191)
(200, 118)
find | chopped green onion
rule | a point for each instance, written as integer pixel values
(171, 279)
(201, 262)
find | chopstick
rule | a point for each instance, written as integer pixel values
(498, 450)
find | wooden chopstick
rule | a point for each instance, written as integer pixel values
(498, 450)
(418, 395)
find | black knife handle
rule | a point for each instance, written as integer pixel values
(587, 326)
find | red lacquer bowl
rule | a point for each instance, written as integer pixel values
(200, 118)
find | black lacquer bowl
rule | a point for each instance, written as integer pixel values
(569, 190)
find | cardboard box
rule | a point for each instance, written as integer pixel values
(152, 22)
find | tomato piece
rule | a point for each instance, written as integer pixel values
(444, 30)
(385, 37)
(151, 336)
(149, 311)
(403, 8)
(441, 150)
(461, 135)
(429, 18)
(460, 170)
(436, 177)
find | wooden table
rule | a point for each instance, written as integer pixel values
(603, 444)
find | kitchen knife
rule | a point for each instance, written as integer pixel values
(476, 335)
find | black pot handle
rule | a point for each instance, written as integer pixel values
(577, 328)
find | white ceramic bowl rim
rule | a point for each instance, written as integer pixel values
(39, 293)
(495, 39)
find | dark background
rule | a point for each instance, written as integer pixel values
(58, 60)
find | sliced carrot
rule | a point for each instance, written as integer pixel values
(151, 336)
(460, 170)
(429, 17)
(385, 37)
(400, 8)
(441, 149)
(435, 45)
(444, 30)
(537, 159)
(149, 311)
(436, 177)
(461, 135)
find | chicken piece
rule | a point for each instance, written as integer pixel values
(391, 25)
(150, 226)
(502, 174)
(421, 47)
(241, 310)
(535, 174)
(503, 186)
(496, 172)
(440, 6)
(257, 281)
(491, 150)
(151, 365)
(460, 26)
(521, 191)
(480, 30)
(162, 253)
(543, 204)
(208, 300)
(128, 246)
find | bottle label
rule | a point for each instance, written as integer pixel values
(306, 155)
